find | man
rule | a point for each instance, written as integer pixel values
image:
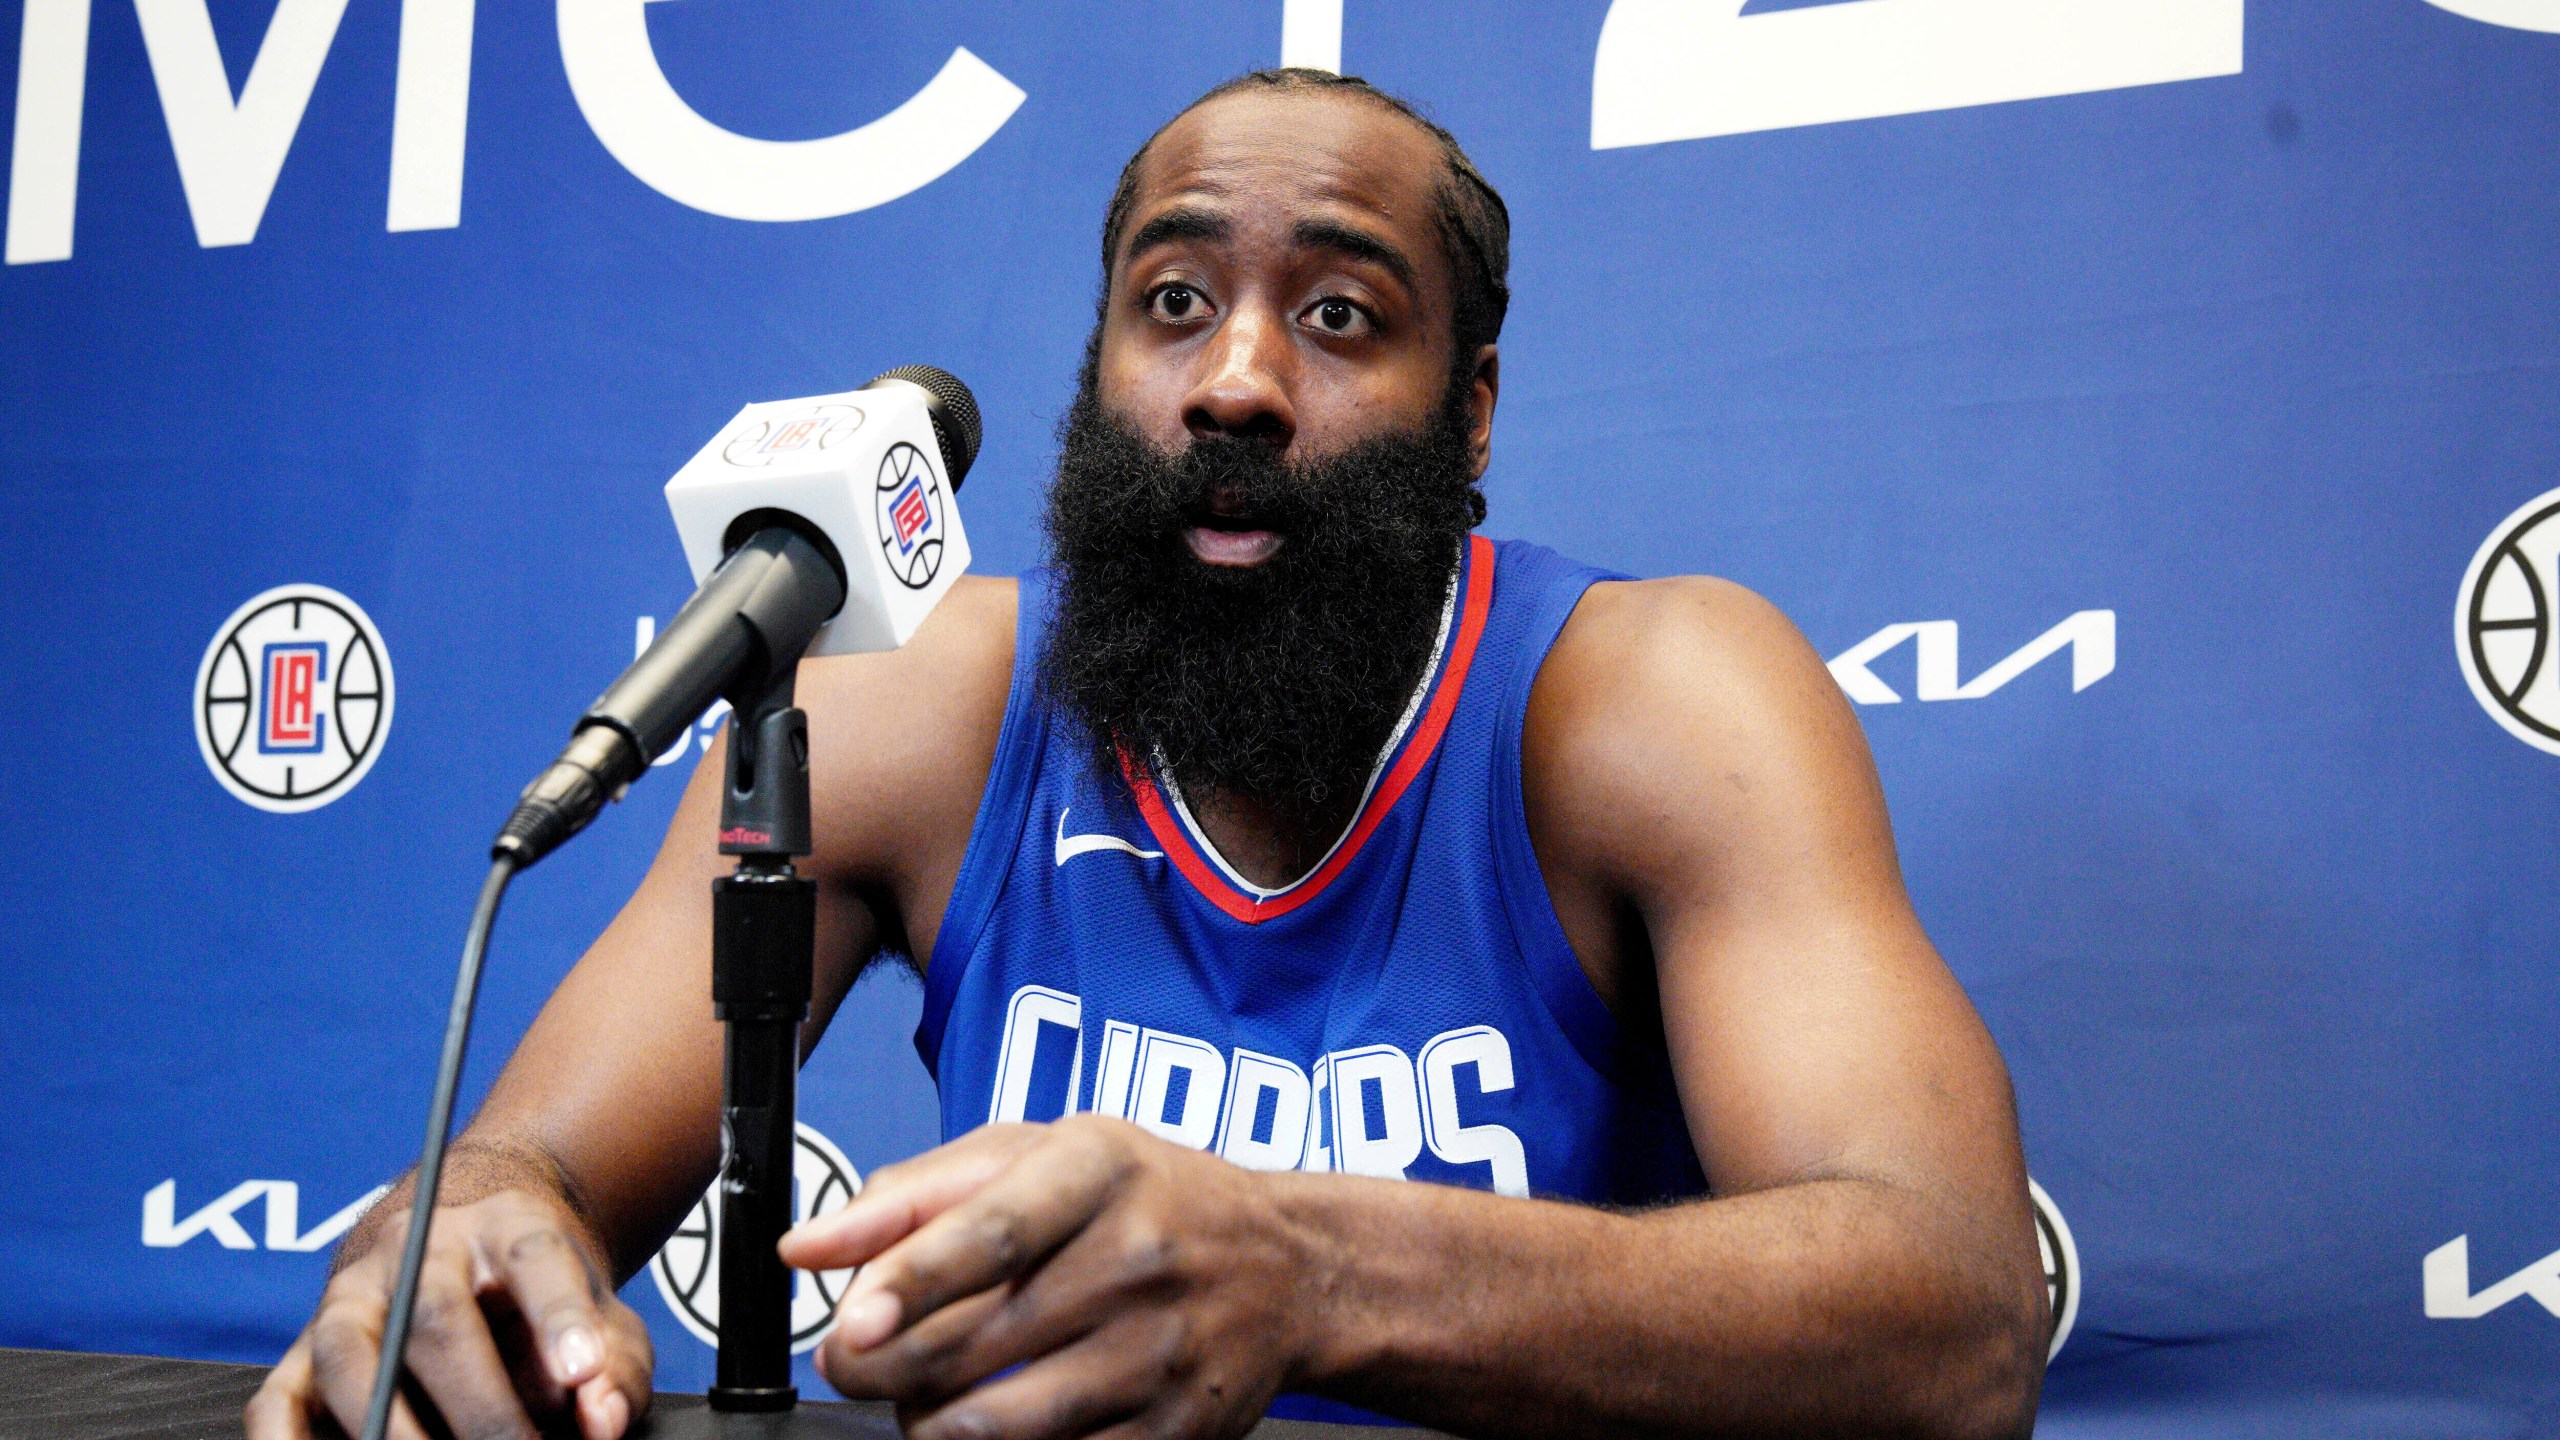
(1301, 825)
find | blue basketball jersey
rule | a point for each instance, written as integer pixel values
(1409, 1009)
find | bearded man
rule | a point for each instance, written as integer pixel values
(1287, 842)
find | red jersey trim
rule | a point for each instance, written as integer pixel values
(1418, 750)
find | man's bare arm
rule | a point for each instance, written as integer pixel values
(1867, 1267)
(604, 1125)
(1869, 1264)
(617, 1083)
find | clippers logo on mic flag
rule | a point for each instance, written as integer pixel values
(792, 436)
(822, 425)
(293, 699)
(910, 516)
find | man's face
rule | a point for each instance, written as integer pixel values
(1264, 482)
(1282, 279)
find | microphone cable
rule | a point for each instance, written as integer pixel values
(430, 1172)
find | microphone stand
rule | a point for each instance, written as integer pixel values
(763, 945)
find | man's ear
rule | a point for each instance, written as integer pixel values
(1480, 402)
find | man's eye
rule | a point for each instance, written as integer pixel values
(1177, 302)
(1337, 316)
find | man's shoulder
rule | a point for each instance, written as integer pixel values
(965, 643)
(1672, 700)
(901, 742)
(974, 624)
(1696, 643)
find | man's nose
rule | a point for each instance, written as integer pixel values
(1244, 385)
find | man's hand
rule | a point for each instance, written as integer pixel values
(1141, 1287)
(514, 1319)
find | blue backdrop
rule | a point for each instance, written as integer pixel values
(2216, 350)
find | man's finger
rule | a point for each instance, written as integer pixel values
(997, 1234)
(346, 1350)
(1089, 1385)
(944, 1353)
(281, 1410)
(602, 1412)
(932, 1360)
(556, 1289)
(902, 1197)
(618, 1396)
(454, 1357)
(346, 1395)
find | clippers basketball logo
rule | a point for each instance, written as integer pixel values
(761, 442)
(910, 503)
(2503, 624)
(293, 699)
(2061, 1267)
(687, 1268)
(288, 721)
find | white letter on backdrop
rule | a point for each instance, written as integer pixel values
(230, 154)
(648, 127)
(1311, 34)
(284, 1216)
(2447, 1276)
(1689, 69)
(1937, 675)
(161, 1229)
(2090, 635)
(2514, 14)
(44, 150)
(431, 108)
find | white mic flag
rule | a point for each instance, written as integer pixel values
(865, 468)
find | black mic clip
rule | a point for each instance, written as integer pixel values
(741, 635)
(764, 806)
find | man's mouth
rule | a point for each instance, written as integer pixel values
(1221, 532)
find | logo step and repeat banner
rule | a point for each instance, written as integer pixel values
(2124, 395)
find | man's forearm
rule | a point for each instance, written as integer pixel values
(1832, 1307)
(476, 1167)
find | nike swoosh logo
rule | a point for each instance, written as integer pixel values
(1071, 846)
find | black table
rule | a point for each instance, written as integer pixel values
(57, 1395)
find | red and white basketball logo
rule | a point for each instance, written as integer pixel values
(293, 699)
(909, 496)
(288, 719)
(908, 515)
(791, 436)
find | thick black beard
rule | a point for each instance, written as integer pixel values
(1279, 683)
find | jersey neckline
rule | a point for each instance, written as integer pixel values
(1208, 848)
(1207, 873)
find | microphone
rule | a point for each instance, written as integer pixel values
(814, 527)
(822, 526)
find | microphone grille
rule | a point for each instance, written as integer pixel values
(954, 411)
